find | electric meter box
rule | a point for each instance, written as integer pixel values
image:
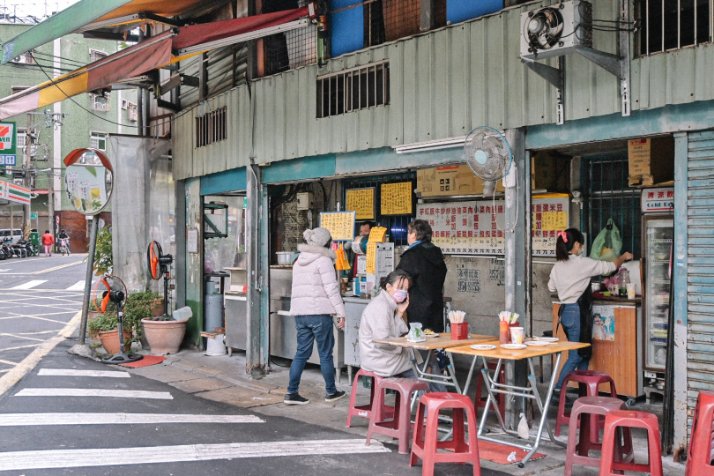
(305, 201)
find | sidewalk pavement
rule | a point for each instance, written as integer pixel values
(224, 379)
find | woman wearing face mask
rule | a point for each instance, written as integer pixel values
(383, 319)
(570, 278)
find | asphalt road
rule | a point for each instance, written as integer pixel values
(38, 297)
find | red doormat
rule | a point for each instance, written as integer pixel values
(145, 362)
(498, 453)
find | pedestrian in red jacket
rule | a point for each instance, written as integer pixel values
(47, 241)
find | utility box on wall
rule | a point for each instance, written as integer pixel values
(650, 161)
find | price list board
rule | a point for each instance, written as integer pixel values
(361, 200)
(340, 224)
(396, 198)
(477, 227)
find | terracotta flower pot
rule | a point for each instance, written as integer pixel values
(157, 308)
(110, 340)
(164, 337)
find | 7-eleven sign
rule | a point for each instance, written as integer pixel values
(8, 138)
(14, 193)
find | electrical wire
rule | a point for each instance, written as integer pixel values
(49, 56)
(81, 106)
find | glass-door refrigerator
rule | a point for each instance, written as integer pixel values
(658, 233)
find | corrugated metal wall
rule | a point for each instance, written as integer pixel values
(700, 266)
(444, 83)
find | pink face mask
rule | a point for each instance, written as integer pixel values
(400, 295)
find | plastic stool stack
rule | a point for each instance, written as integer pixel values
(699, 460)
(399, 425)
(589, 382)
(626, 419)
(365, 411)
(580, 443)
(426, 444)
(481, 400)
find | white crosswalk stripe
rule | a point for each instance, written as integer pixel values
(78, 286)
(30, 284)
(76, 458)
(82, 373)
(92, 392)
(49, 419)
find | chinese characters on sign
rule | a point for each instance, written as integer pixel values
(340, 224)
(361, 200)
(476, 227)
(396, 198)
(657, 200)
(8, 143)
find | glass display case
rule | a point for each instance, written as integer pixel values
(657, 250)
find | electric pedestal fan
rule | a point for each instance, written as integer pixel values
(488, 155)
(159, 265)
(115, 291)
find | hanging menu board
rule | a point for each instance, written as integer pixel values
(396, 198)
(549, 215)
(477, 227)
(340, 224)
(361, 200)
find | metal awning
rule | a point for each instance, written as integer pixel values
(87, 15)
(150, 54)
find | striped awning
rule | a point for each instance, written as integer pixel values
(14, 193)
(150, 54)
(87, 15)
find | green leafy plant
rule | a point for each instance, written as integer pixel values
(139, 306)
(103, 252)
(103, 323)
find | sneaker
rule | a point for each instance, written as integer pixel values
(295, 399)
(333, 397)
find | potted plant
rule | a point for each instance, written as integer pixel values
(163, 334)
(105, 326)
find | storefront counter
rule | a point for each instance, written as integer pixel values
(354, 306)
(617, 342)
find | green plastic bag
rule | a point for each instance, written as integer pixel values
(608, 243)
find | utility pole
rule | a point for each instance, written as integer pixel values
(26, 167)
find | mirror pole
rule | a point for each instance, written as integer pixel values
(88, 278)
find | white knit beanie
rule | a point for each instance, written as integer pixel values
(317, 236)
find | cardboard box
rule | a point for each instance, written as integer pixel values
(650, 161)
(450, 180)
(550, 172)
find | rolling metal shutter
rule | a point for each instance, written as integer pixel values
(700, 266)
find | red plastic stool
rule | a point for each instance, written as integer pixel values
(626, 419)
(588, 381)
(426, 444)
(578, 452)
(398, 425)
(480, 400)
(365, 411)
(699, 460)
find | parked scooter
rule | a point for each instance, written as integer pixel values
(30, 249)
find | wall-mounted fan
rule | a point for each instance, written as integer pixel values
(489, 156)
(160, 265)
(544, 28)
(556, 30)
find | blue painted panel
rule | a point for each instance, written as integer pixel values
(461, 10)
(299, 169)
(229, 181)
(346, 26)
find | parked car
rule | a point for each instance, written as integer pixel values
(14, 233)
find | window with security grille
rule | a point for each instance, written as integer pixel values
(609, 196)
(352, 90)
(98, 140)
(673, 24)
(211, 127)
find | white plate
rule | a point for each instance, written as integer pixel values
(538, 342)
(482, 347)
(435, 334)
(547, 339)
(513, 346)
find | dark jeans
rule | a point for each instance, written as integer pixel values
(570, 320)
(309, 329)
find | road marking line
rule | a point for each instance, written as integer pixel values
(76, 458)
(18, 336)
(42, 419)
(92, 392)
(78, 286)
(8, 362)
(13, 376)
(56, 268)
(83, 373)
(30, 284)
(18, 347)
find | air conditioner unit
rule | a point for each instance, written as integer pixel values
(556, 30)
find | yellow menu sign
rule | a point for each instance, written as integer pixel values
(555, 220)
(396, 198)
(361, 200)
(340, 224)
(376, 235)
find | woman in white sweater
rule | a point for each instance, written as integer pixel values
(570, 278)
(315, 299)
(383, 318)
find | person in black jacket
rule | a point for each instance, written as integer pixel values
(425, 264)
